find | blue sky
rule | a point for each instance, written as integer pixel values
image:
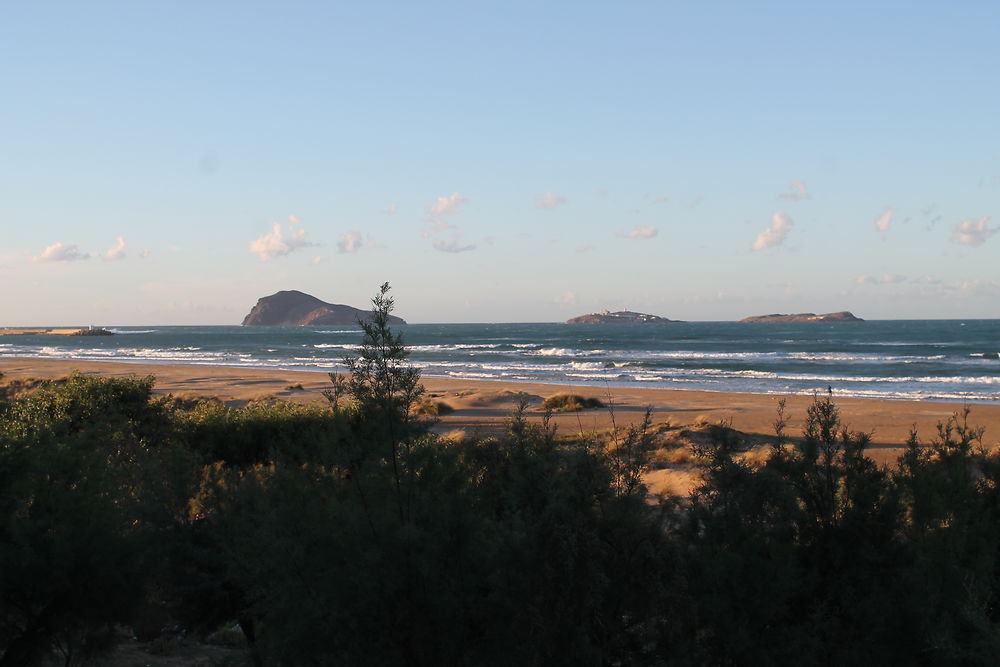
(170, 163)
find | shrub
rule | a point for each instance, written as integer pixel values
(431, 407)
(75, 539)
(570, 403)
(258, 432)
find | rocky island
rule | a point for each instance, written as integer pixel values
(92, 331)
(620, 317)
(842, 316)
(293, 308)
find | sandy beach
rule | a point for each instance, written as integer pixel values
(482, 405)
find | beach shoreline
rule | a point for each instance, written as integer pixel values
(485, 405)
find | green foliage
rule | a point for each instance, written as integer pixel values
(628, 456)
(260, 432)
(74, 540)
(380, 381)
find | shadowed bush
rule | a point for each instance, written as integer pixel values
(431, 407)
(570, 403)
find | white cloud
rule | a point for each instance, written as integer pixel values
(883, 222)
(973, 232)
(886, 279)
(115, 252)
(144, 253)
(640, 232)
(57, 252)
(452, 246)
(293, 219)
(775, 233)
(277, 244)
(567, 299)
(391, 209)
(350, 242)
(549, 200)
(450, 205)
(798, 192)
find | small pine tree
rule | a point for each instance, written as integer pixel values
(384, 387)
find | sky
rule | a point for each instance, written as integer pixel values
(170, 163)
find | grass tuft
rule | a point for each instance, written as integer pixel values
(431, 407)
(570, 403)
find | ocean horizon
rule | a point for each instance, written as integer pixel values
(940, 360)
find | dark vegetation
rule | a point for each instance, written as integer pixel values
(349, 535)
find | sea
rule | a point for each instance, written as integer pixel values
(939, 360)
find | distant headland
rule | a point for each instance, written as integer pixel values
(87, 331)
(842, 316)
(294, 308)
(620, 317)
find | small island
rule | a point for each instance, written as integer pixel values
(92, 331)
(842, 316)
(293, 308)
(619, 317)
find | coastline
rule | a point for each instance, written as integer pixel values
(484, 405)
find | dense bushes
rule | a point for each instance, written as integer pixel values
(349, 535)
(77, 468)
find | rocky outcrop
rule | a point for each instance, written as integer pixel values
(842, 316)
(293, 308)
(620, 317)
